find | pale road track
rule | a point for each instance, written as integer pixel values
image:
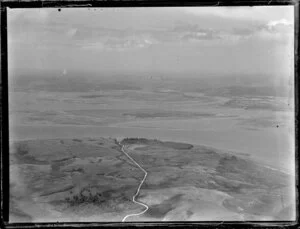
(138, 190)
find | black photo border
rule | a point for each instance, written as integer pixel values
(4, 117)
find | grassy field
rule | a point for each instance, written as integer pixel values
(92, 180)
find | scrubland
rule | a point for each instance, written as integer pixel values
(92, 180)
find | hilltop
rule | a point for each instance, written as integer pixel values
(92, 180)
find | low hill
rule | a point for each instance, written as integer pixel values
(93, 180)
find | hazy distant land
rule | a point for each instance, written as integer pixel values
(65, 164)
(219, 112)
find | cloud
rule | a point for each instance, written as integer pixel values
(195, 33)
(243, 31)
(185, 27)
(282, 21)
(71, 32)
(130, 42)
(273, 30)
(29, 16)
(91, 45)
(279, 30)
(282, 26)
(192, 32)
(111, 43)
(201, 35)
(48, 28)
(256, 13)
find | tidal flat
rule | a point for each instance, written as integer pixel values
(209, 155)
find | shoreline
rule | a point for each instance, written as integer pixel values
(218, 150)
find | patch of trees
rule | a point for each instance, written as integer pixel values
(22, 155)
(22, 149)
(144, 141)
(138, 141)
(86, 196)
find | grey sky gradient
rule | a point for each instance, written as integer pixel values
(219, 40)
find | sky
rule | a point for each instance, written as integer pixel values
(198, 40)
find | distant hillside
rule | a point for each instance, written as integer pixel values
(69, 83)
(239, 91)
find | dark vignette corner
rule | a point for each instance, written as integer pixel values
(296, 94)
(141, 3)
(4, 121)
(4, 117)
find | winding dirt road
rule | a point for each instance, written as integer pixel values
(138, 190)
